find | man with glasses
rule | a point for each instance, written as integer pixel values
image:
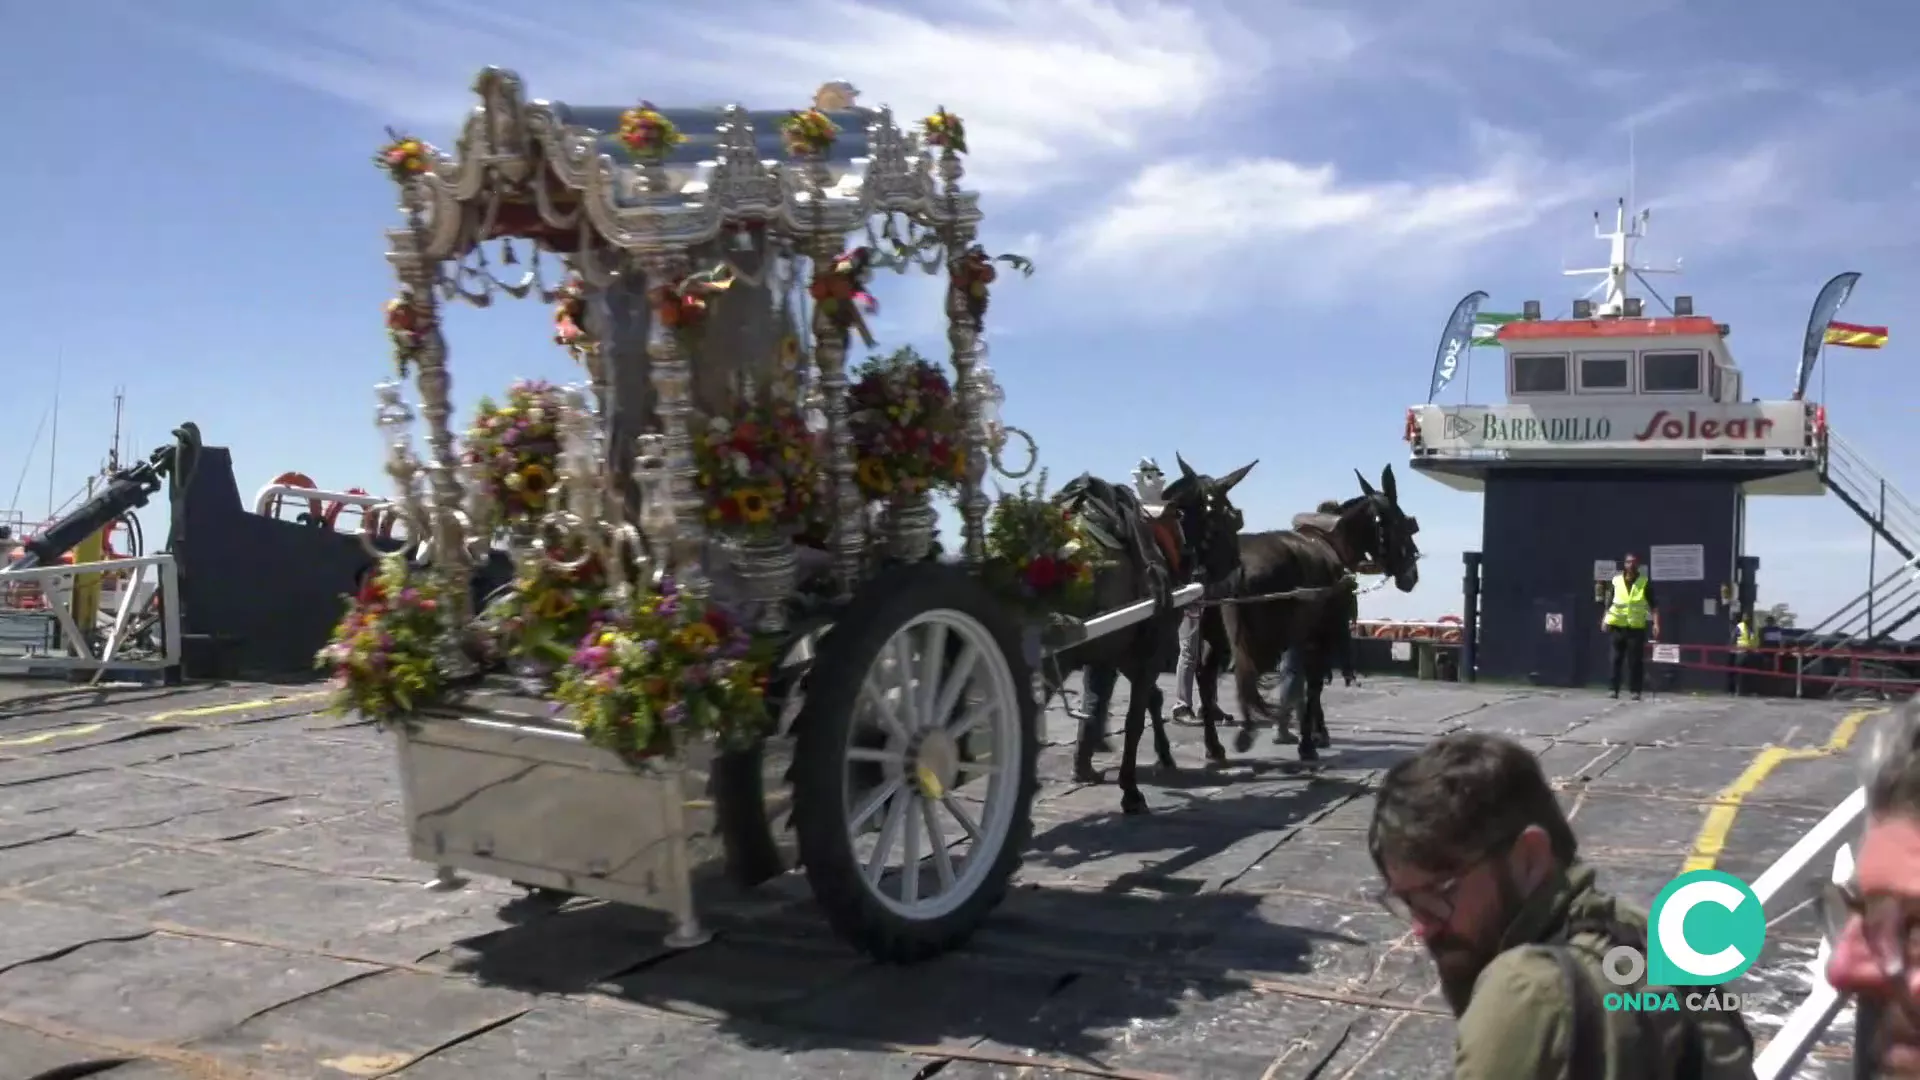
(1478, 856)
(1874, 923)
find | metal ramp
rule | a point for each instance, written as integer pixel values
(1892, 602)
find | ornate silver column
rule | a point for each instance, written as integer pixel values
(450, 560)
(848, 538)
(672, 381)
(963, 334)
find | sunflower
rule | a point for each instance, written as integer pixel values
(698, 638)
(755, 507)
(872, 475)
(554, 604)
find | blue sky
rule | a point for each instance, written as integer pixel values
(1250, 220)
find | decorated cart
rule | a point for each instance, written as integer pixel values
(725, 651)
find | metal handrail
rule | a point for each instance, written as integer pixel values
(1783, 887)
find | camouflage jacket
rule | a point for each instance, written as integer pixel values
(1521, 1023)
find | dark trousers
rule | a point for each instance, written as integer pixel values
(1630, 648)
(1096, 686)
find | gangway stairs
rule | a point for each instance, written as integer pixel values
(1891, 602)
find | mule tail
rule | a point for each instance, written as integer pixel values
(1246, 686)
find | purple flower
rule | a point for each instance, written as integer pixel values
(675, 715)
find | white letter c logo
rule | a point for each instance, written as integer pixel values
(1673, 928)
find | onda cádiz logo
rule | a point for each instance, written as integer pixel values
(1706, 928)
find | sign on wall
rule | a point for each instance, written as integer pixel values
(1556, 622)
(1759, 425)
(1677, 562)
(1604, 569)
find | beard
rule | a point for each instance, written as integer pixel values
(1461, 957)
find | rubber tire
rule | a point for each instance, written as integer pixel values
(877, 611)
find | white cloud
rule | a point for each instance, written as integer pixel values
(1303, 221)
(1047, 88)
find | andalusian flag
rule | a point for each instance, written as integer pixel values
(1854, 336)
(1487, 324)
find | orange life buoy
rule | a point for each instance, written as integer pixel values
(297, 480)
(371, 520)
(1451, 634)
(107, 550)
(1386, 630)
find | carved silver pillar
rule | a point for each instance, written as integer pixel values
(849, 518)
(963, 334)
(673, 383)
(450, 560)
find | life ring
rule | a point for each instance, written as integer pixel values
(1387, 630)
(1454, 628)
(316, 512)
(119, 524)
(381, 525)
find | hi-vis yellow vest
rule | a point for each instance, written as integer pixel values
(1629, 607)
(1748, 639)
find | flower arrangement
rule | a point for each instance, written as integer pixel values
(517, 448)
(839, 289)
(570, 322)
(406, 329)
(945, 131)
(663, 672)
(758, 471)
(404, 157)
(905, 427)
(809, 133)
(549, 609)
(381, 653)
(1037, 554)
(647, 135)
(972, 273)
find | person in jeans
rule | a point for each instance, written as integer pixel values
(1096, 696)
(1873, 922)
(1631, 610)
(1478, 856)
(1183, 672)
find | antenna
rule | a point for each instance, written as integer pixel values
(113, 452)
(1629, 227)
(53, 443)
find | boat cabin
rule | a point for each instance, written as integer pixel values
(1604, 359)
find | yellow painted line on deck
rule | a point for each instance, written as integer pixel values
(1712, 838)
(49, 736)
(234, 706)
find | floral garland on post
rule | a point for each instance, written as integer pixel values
(945, 131)
(905, 427)
(517, 447)
(663, 673)
(406, 330)
(758, 472)
(809, 133)
(683, 306)
(550, 608)
(972, 272)
(1037, 554)
(839, 289)
(381, 654)
(647, 135)
(404, 157)
(570, 323)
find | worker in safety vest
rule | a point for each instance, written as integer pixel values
(1629, 615)
(1746, 639)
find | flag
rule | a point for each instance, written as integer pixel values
(1453, 342)
(1855, 336)
(1825, 307)
(1487, 324)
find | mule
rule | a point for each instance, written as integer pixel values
(1368, 534)
(1194, 537)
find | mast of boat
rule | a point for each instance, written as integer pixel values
(53, 444)
(119, 410)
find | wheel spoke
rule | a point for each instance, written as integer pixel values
(876, 699)
(960, 814)
(971, 719)
(857, 821)
(980, 768)
(933, 657)
(910, 853)
(883, 755)
(889, 835)
(956, 683)
(942, 858)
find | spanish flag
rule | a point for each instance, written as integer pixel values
(1854, 336)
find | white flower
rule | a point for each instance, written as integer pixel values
(719, 429)
(741, 466)
(536, 415)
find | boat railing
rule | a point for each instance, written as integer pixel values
(1795, 880)
(135, 627)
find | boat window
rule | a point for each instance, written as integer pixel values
(1539, 374)
(1604, 373)
(1714, 383)
(1670, 372)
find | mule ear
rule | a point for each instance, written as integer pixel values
(1388, 487)
(1237, 475)
(1186, 470)
(1365, 488)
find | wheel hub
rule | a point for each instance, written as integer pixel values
(936, 763)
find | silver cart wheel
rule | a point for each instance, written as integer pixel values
(914, 770)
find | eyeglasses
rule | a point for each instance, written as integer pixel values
(1434, 903)
(1890, 926)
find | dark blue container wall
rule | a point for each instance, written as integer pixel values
(1541, 534)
